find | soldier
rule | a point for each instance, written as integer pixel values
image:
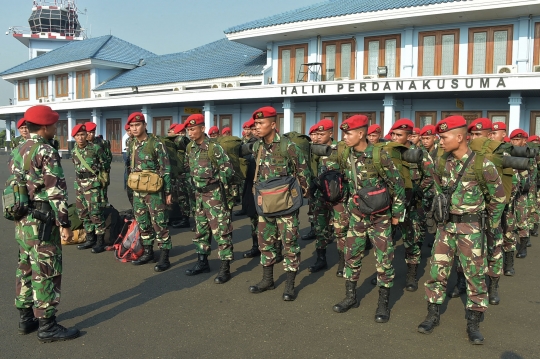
(89, 162)
(463, 232)
(374, 134)
(361, 172)
(429, 140)
(127, 160)
(226, 131)
(39, 271)
(170, 132)
(246, 136)
(311, 202)
(184, 187)
(24, 134)
(213, 132)
(106, 146)
(210, 172)
(271, 163)
(534, 216)
(149, 154)
(415, 137)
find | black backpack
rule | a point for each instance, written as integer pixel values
(332, 186)
(113, 225)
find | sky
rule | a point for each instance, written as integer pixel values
(159, 26)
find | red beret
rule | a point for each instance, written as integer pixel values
(374, 128)
(450, 123)
(499, 126)
(519, 133)
(41, 115)
(325, 125)
(78, 128)
(249, 124)
(126, 127)
(480, 124)
(90, 126)
(172, 126)
(136, 117)
(213, 129)
(427, 130)
(313, 129)
(506, 139)
(264, 112)
(226, 130)
(388, 136)
(194, 120)
(354, 122)
(21, 122)
(180, 127)
(416, 131)
(403, 124)
(533, 138)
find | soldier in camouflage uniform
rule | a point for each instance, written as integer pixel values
(463, 232)
(24, 134)
(534, 215)
(361, 172)
(213, 132)
(429, 140)
(148, 153)
(39, 271)
(211, 173)
(311, 201)
(127, 159)
(106, 146)
(272, 163)
(415, 139)
(89, 161)
(184, 186)
(374, 134)
(246, 136)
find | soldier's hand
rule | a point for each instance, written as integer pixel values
(168, 199)
(66, 234)
(395, 221)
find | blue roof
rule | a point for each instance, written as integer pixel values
(333, 8)
(108, 48)
(219, 59)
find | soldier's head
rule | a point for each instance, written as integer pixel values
(247, 127)
(534, 139)
(79, 134)
(313, 133)
(324, 132)
(415, 136)
(41, 120)
(137, 125)
(23, 129)
(374, 134)
(180, 129)
(170, 132)
(453, 133)
(355, 130)
(481, 127)
(226, 131)
(213, 132)
(402, 130)
(195, 128)
(427, 134)
(265, 122)
(128, 130)
(498, 132)
(90, 131)
(519, 138)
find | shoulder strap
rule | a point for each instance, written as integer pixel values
(28, 159)
(461, 173)
(353, 169)
(211, 154)
(377, 162)
(259, 154)
(83, 161)
(479, 173)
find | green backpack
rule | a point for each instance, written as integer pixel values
(176, 156)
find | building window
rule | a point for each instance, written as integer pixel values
(23, 90)
(62, 134)
(161, 125)
(424, 118)
(489, 47)
(298, 125)
(534, 129)
(499, 116)
(42, 87)
(83, 84)
(62, 88)
(438, 53)
(114, 134)
(290, 62)
(224, 121)
(382, 51)
(338, 59)
(469, 116)
(536, 57)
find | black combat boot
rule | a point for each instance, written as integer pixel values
(534, 231)
(522, 250)
(509, 264)
(267, 282)
(279, 252)
(341, 264)
(382, 314)
(201, 266)
(224, 274)
(461, 286)
(411, 284)
(473, 327)
(320, 263)
(51, 331)
(90, 241)
(163, 263)
(288, 294)
(493, 291)
(374, 280)
(27, 322)
(432, 320)
(529, 242)
(350, 298)
(100, 244)
(147, 256)
(311, 234)
(254, 251)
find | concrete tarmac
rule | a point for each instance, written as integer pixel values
(124, 311)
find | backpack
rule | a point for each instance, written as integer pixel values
(113, 224)
(176, 157)
(331, 185)
(76, 222)
(128, 246)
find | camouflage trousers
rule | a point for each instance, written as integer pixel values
(39, 269)
(151, 214)
(213, 218)
(413, 230)
(534, 216)
(186, 198)
(254, 224)
(89, 206)
(311, 218)
(105, 189)
(508, 224)
(522, 215)
(469, 249)
(378, 229)
(494, 255)
(284, 229)
(326, 216)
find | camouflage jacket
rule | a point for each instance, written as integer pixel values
(106, 146)
(129, 144)
(202, 169)
(153, 159)
(365, 167)
(94, 156)
(468, 197)
(272, 164)
(17, 141)
(422, 174)
(45, 178)
(328, 163)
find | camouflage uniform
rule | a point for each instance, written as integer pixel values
(106, 147)
(212, 211)
(89, 200)
(508, 221)
(533, 217)
(150, 209)
(185, 193)
(522, 208)
(39, 270)
(465, 239)
(17, 141)
(127, 162)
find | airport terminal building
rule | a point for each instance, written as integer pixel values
(419, 59)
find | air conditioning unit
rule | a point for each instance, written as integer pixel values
(218, 85)
(40, 100)
(507, 69)
(233, 84)
(536, 68)
(370, 77)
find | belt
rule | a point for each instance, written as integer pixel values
(208, 188)
(42, 206)
(85, 175)
(463, 218)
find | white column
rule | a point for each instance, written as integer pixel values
(147, 115)
(389, 112)
(288, 115)
(515, 110)
(50, 87)
(209, 110)
(71, 124)
(407, 109)
(96, 118)
(8, 130)
(237, 120)
(407, 54)
(522, 60)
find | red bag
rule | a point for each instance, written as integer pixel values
(128, 246)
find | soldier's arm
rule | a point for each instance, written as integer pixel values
(225, 168)
(395, 183)
(495, 206)
(54, 184)
(428, 170)
(103, 160)
(301, 166)
(163, 165)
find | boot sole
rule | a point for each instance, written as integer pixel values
(339, 274)
(43, 341)
(411, 288)
(423, 331)
(222, 281)
(509, 274)
(262, 291)
(159, 270)
(199, 272)
(315, 270)
(476, 342)
(344, 310)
